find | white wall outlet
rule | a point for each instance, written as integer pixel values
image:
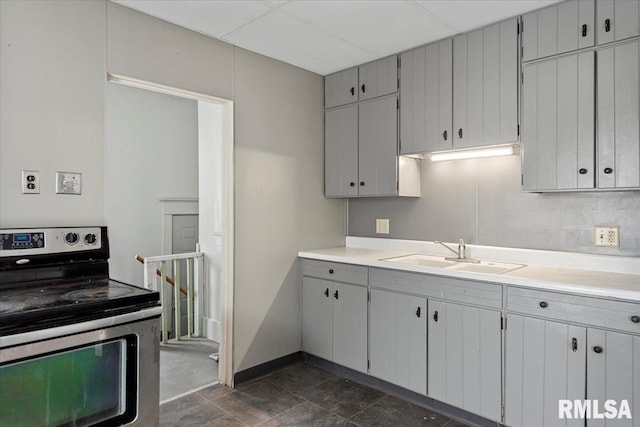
(30, 182)
(382, 226)
(68, 183)
(607, 236)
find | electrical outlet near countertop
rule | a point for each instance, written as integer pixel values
(382, 226)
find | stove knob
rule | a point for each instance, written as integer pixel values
(90, 239)
(71, 238)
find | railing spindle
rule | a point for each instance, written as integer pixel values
(163, 301)
(176, 299)
(189, 262)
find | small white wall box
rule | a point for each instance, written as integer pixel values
(68, 183)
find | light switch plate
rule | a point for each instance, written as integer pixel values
(382, 226)
(607, 236)
(30, 182)
(68, 183)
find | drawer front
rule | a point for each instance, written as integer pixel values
(445, 288)
(575, 308)
(334, 271)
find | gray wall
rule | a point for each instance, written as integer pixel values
(280, 207)
(481, 201)
(151, 152)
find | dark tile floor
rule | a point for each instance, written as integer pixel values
(298, 395)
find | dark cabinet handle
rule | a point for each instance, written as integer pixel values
(584, 30)
(352, 90)
(331, 271)
(460, 133)
(608, 170)
(335, 294)
(444, 135)
(597, 349)
(543, 304)
(574, 344)
(418, 312)
(361, 183)
(582, 171)
(435, 316)
(352, 184)
(607, 25)
(326, 292)
(363, 88)
(635, 319)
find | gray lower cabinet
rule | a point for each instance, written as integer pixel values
(334, 322)
(558, 123)
(465, 347)
(545, 362)
(485, 86)
(398, 339)
(617, 20)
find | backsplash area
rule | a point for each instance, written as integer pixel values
(482, 202)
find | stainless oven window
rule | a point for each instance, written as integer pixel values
(94, 384)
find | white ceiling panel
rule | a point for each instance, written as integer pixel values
(286, 38)
(325, 36)
(214, 18)
(379, 27)
(465, 15)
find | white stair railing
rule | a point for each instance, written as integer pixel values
(155, 277)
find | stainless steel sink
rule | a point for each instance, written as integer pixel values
(486, 267)
(422, 260)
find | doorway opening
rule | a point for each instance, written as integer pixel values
(168, 190)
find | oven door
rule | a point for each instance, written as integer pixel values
(103, 377)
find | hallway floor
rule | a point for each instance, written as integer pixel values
(299, 395)
(186, 366)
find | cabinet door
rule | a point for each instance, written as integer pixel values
(378, 78)
(618, 117)
(485, 86)
(617, 20)
(317, 318)
(341, 88)
(614, 374)
(464, 360)
(545, 362)
(350, 326)
(378, 147)
(398, 339)
(558, 123)
(341, 152)
(426, 98)
(558, 29)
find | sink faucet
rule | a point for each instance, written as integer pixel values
(460, 253)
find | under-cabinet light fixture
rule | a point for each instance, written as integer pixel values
(473, 153)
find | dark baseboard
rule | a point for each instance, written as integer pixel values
(394, 390)
(266, 367)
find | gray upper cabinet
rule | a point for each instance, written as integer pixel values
(341, 88)
(558, 123)
(426, 93)
(560, 28)
(378, 78)
(617, 20)
(464, 354)
(485, 86)
(619, 116)
(341, 151)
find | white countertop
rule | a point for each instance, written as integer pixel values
(604, 284)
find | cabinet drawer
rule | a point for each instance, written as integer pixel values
(446, 288)
(335, 271)
(574, 308)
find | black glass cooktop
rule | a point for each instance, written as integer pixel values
(27, 307)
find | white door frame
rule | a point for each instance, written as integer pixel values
(225, 371)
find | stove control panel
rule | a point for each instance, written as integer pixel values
(25, 242)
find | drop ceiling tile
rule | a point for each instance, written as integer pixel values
(214, 18)
(379, 27)
(288, 39)
(465, 15)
